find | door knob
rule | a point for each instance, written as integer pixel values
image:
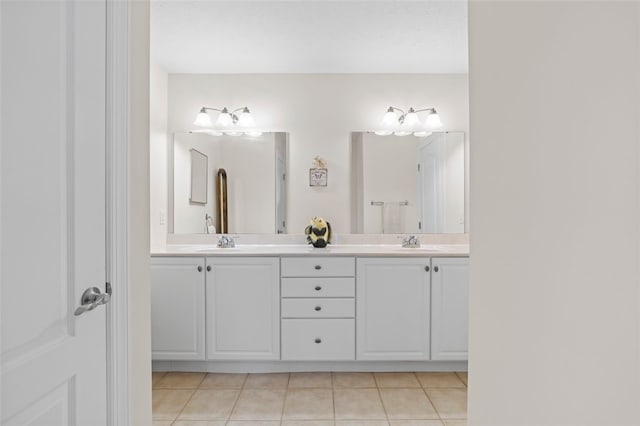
(436, 269)
(92, 298)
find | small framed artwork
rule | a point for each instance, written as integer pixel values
(317, 177)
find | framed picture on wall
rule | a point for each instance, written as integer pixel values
(317, 177)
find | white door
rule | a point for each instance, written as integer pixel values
(53, 212)
(243, 308)
(449, 308)
(431, 185)
(392, 309)
(177, 308)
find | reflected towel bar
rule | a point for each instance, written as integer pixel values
(382, 203)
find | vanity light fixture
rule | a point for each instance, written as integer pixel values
(407, 123)
(233, 123)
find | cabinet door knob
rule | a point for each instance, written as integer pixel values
(436, 269)
(318, 308)
(426, 268)
(199, 268)
(318, 288)
(318, 267)
(208, 268)
(318, 340)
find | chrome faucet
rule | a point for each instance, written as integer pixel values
(226, 242)
(410, 241)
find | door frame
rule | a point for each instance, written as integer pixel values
(117, 191)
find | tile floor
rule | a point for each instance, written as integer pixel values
(310, 399)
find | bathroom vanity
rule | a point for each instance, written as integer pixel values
(288, 307)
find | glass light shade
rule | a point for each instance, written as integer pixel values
(203, 119)
(233, 133)
(253, 133)
(422, 134)
(433, 121)
(213, 132)
(411, 123)
(389, 120)
(401, 133)
(224, 119)
(246, 119)
(383, 132)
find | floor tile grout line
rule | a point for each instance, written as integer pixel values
(193, 392)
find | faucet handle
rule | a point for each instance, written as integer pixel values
(226, 242)
(410, 241)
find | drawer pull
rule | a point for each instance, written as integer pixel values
(318, 340)
(318, 267)
(318, 288)
(199, 268)
(318, 308)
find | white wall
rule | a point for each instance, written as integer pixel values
(554, 327)
(320, 112)
(158, 105)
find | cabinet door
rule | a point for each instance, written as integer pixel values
(449, 308)
(243, 308)
(177, 308)
(392, 315)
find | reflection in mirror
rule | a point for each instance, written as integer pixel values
(255, 169)
(406, 184)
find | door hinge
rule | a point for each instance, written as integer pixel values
(107, 288)
(419, 225)
(418, 167)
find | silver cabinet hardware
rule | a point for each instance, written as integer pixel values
(436, 269)
(318, 340)
(208, 268)
(318, 267)
(426, 268)
(318, 308)
(199, 268)
(318, 288)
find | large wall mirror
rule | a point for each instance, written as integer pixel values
(245, 179)
(406, 184)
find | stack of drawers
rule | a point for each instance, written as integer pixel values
(318, 308)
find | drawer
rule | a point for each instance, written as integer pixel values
(318, 308)
(318, 266)
(318, 287)
(318, 339)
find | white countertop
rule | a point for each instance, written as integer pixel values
(362, 250)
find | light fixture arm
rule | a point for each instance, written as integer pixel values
(225, 110)
(431, 110)
(204, 109)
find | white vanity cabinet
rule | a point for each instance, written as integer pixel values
(243, 308)
(449, 308)
(392, 305)
(318, 308)
(177, 308)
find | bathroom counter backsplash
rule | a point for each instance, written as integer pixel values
(432, 245)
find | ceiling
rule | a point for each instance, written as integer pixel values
(309, 36)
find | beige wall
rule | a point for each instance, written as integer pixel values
(320, 112)
(554, 107)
